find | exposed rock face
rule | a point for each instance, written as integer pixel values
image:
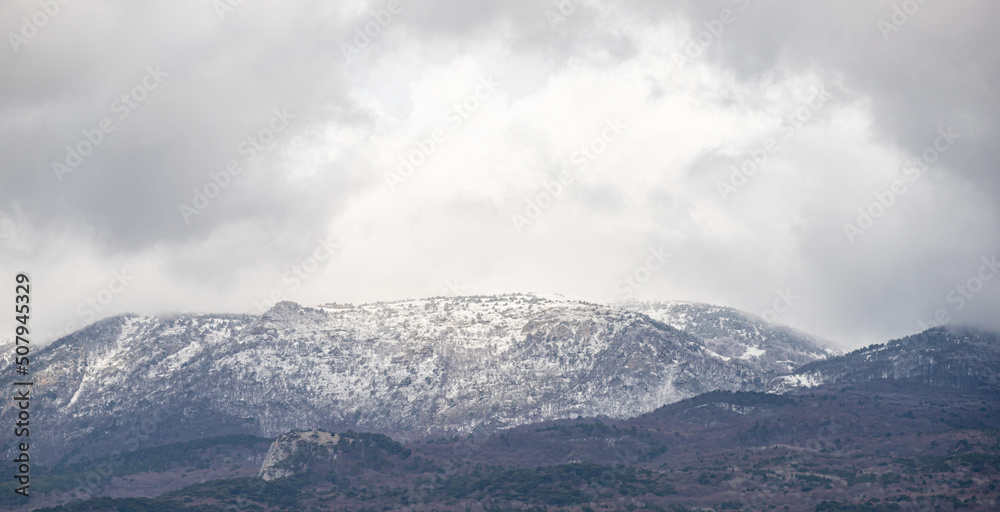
(291, 453)
(442, 366)
(337, 457)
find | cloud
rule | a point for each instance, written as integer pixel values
(701, 88)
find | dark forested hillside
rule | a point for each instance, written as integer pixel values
(887, 445)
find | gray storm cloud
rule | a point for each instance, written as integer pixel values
(830, 165)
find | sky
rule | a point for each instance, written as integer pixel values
(828, 165)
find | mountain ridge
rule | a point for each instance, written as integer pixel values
(427, 367)
(960, 357)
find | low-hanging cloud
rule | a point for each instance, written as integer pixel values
(226, 146)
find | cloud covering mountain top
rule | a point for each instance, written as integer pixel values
(832, 164)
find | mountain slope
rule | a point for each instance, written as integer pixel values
(732, 333)
(948, 357)
(879, 446)
(438, 366)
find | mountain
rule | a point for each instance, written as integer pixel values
(949, 357)
(411, 369)
(880, 446)
(731, 333)
(908, 425)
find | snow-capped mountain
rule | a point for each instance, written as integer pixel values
(439, 366)
(947, 357)
(730, 333)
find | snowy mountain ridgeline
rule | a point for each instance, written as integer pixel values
(944, 357)
(440, 366)
(730, 333)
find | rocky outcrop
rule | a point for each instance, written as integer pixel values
(292, 453)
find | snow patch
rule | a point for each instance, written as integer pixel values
(753, 352)
(802, 380)
(711, 353)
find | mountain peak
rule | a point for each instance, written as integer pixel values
(437, 366)
(959, 357)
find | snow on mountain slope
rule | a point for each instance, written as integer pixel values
(947, 357)
(439, 366)
(730, 333)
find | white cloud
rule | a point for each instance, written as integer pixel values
(655, 185)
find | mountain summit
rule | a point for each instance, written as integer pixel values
(945, 357)
(439, 366)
